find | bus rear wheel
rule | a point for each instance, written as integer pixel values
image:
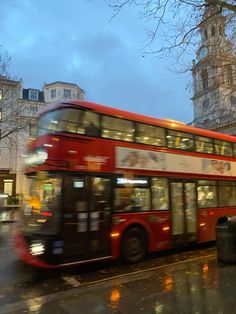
(133, 245)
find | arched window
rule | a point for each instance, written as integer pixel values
(213, 31)
(229, 77)
(204, 77)
(221, 30)
(205, 104)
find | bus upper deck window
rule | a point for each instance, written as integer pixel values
(91, 123)
(148, 134)
(204, 145)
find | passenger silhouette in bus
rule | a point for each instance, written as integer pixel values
(91, 129)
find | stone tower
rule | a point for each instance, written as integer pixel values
(214, 76)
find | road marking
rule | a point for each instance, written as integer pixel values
(72, 281)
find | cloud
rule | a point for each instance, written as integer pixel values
(76, 41)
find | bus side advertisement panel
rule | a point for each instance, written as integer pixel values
(130, 158)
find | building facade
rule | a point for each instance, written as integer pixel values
(214, 76)
(18, 108)
(62, 91)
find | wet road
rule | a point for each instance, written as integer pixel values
(19, 282)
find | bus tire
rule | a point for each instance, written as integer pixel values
(134, 245)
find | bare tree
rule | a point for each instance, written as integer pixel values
(14, 113)
(178, 29)
(176, 23)
(16, 117)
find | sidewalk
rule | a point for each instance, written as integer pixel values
(197, 286)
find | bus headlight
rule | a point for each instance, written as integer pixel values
(37, 248)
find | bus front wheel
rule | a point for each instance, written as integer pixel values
(133, 245)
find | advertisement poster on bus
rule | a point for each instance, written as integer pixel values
(149, 160)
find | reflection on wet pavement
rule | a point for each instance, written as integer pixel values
(190, 281)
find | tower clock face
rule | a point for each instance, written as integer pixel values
(203, 52)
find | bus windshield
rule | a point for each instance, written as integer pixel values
(68, 120)
(41, 206)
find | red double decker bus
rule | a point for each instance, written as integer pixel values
(104, 183)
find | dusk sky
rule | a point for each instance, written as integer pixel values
(76, 41)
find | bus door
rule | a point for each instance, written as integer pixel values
(183, 211)
(87, 217)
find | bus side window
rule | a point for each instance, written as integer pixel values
(118, 129)
(223, 148)
(91, 123)
(148, 134)
(69, 120)
(132, 199)
(234, 148)
(227, 193)
(207, 193)
(160, 194)
(204, 145)
(180, 140)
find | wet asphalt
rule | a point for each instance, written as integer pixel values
(187, 281)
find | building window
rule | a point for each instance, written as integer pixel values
(33, 95)
(205, 33)
(221, 30)
(67, 93)
(1, 94)
(229, 76)
(213, 31)
(204, 76)
(8, 186)
(205, 104)
(53, 93)
(0, 114)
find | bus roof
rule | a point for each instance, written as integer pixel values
(119, 113)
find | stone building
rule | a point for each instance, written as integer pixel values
(214, 76)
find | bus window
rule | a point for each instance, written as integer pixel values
(132, 199)
(234, 145)
(70, 121)
(204, 145)
(180, 140)
(148, 134)
(160, 194)
(207, 193)
(223, 148)
(227, 193)
(117, 129)
(91, 123)
(47, 123)
(100, 197)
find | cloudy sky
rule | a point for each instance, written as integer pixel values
(76, 41)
